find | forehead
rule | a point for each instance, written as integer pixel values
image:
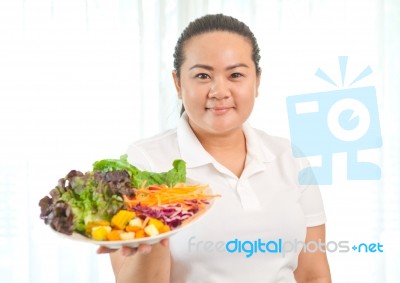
(216, 46)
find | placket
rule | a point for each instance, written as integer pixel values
(245, 191)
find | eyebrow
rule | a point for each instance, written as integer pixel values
(209, 68)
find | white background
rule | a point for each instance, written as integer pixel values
(82, 79)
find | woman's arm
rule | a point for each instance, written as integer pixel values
(146, 264)
(313, 266)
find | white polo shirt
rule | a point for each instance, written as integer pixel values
(254, 231)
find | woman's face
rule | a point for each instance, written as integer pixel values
(218, 82)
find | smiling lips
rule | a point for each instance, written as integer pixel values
(219, 109)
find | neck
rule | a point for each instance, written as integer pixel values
(224, 143)
(229, 149)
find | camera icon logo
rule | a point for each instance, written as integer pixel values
(343, 120)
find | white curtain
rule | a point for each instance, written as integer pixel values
(81, 79)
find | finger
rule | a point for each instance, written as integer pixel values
(144, 249)
(128, 251)
(105, 250)
(165, 242)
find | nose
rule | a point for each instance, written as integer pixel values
(219, 89)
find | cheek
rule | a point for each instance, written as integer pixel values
(247, 94)
(193, 94)
(247, 104)
(191, 101)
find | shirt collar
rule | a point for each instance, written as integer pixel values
(195, 155)
(257, 148)
(191, 149)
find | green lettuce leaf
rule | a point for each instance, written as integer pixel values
(144, 178)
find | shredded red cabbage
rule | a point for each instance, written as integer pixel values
(171, 214)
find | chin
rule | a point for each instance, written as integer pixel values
(223, 128)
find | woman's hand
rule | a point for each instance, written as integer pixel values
(128, 251)
(144, 264)
(313, 266)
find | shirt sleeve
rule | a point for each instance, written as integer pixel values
(312, 204)
(311, 201)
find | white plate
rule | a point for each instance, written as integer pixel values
(147, 240)
(128, 243)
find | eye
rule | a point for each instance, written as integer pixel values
(202, 76)
(236, 75)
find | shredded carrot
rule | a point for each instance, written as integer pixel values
(166, 195)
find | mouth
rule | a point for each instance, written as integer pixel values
(219, 110)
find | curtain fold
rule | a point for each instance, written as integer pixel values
(390, 46)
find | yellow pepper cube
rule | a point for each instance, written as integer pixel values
(151, 230)
(136, 222)
(114, 235)
(122, 218)
(127, 236)
(139, 234)
(130, 228)
(99, 233)
(156, 223)
(165, 228)
(92, 224)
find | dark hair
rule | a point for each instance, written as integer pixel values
(210, 23)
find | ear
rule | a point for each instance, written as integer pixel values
(177, 84)
(258, 80)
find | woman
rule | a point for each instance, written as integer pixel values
(254, 232)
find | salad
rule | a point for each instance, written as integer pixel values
(117, 201)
